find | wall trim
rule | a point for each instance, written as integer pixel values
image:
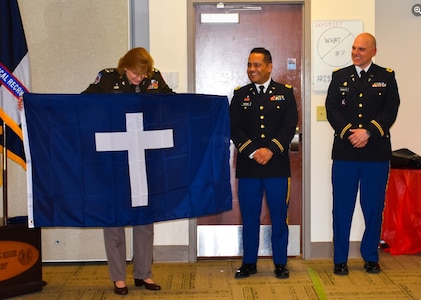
(171, 253)
(319, 250)
(324, 250)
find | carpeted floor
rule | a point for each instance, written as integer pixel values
(214, 279)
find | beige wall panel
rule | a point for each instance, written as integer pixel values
(70, 41)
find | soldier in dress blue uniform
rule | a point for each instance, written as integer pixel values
(134, 74)
(113, 80)
(263, 121)
(362, 104)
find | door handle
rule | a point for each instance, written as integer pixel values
(296, 140)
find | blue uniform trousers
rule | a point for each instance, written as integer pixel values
(371, 178)
(250, 195)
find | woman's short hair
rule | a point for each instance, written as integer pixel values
(136, 60)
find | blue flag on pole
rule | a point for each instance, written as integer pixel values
(100, 160)
(14, 76)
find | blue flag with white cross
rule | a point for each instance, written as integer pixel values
(125, 159)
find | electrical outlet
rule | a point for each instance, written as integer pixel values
(321, 113)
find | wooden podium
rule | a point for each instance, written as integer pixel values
(20, 260)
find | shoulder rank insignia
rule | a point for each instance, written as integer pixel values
(337, 69)
(389, 70)
(288, 86)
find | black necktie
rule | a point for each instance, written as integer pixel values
(261, 88)
(362, 74)
(137, 89)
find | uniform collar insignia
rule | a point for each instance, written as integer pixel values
(272, 89)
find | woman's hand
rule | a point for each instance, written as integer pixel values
(20, 103)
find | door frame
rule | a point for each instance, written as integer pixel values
(306, 112)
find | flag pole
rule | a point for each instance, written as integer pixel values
(4, 175)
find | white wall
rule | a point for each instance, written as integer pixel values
(168, 46)
(399, 48)
(322, 133)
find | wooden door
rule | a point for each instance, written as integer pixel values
(221, 54)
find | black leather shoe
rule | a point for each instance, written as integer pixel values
(246, 270)
(281, 271)
(341, 269)
(121, 290)
(372, 267)
(148, 286)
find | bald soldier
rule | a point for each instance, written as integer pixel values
(362, 104)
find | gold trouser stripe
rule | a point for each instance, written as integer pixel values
(374, 122)
(288, 195)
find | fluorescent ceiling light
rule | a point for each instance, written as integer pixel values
(220, 18)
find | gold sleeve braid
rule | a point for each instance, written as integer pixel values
(379, 128)
(243, 146)
(278, 144)
(345, 129)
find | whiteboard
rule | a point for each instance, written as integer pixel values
(332, 44)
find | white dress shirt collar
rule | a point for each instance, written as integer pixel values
(266, 85)
(358, 69)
